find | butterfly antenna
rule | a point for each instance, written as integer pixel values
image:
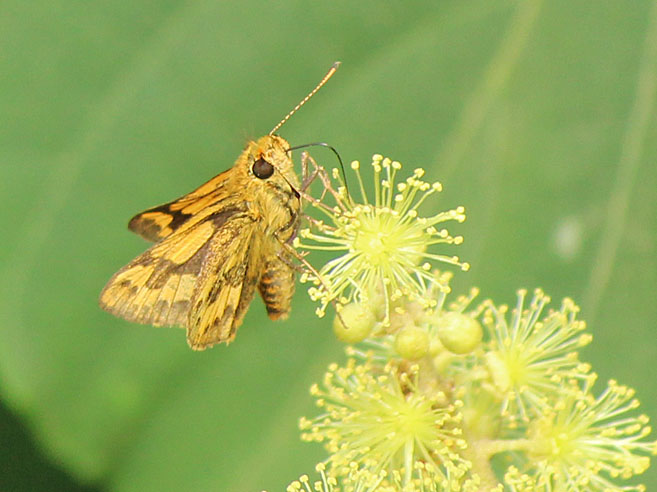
(328, 75)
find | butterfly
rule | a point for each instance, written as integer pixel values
(215, 246)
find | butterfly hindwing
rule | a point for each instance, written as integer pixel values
(226, 285)
(159, 285)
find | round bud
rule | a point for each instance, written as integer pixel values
(412, 343)
(459, 333)
(359, 322)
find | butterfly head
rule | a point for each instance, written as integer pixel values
(268, 162)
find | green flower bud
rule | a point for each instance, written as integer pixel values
(359, 322)
(459, 333)
(412, 343)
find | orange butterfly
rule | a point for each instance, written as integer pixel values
(214, 246)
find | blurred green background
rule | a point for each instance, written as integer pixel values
(539, 117)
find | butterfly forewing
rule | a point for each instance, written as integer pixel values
(158, 222)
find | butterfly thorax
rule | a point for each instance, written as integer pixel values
(274, 199)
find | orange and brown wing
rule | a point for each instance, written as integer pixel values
(159, 222)
(158, 286)
(226, 285)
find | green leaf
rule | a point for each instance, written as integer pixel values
(539, 117)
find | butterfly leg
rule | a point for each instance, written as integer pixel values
(321, 173)
(308, 176)
(309, 268)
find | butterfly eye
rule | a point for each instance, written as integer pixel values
(262, 169)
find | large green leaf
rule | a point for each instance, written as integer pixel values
(539, 117)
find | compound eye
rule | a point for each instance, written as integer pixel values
(262, 169)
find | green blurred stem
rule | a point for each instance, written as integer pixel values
(480, 451)
(408, 461)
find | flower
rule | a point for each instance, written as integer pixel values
(440, 396)
(416, 331)
(384, 243)
(384, 423)
(530, 357)
(521, 482)
(396, 423)
(587, 443)
(426, 479)
(324, 484)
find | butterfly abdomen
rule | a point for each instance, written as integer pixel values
(276, 287)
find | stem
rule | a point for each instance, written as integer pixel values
(480, 452)
(408, 461)
(478, 455)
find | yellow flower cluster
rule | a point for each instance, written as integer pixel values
(452, 396)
